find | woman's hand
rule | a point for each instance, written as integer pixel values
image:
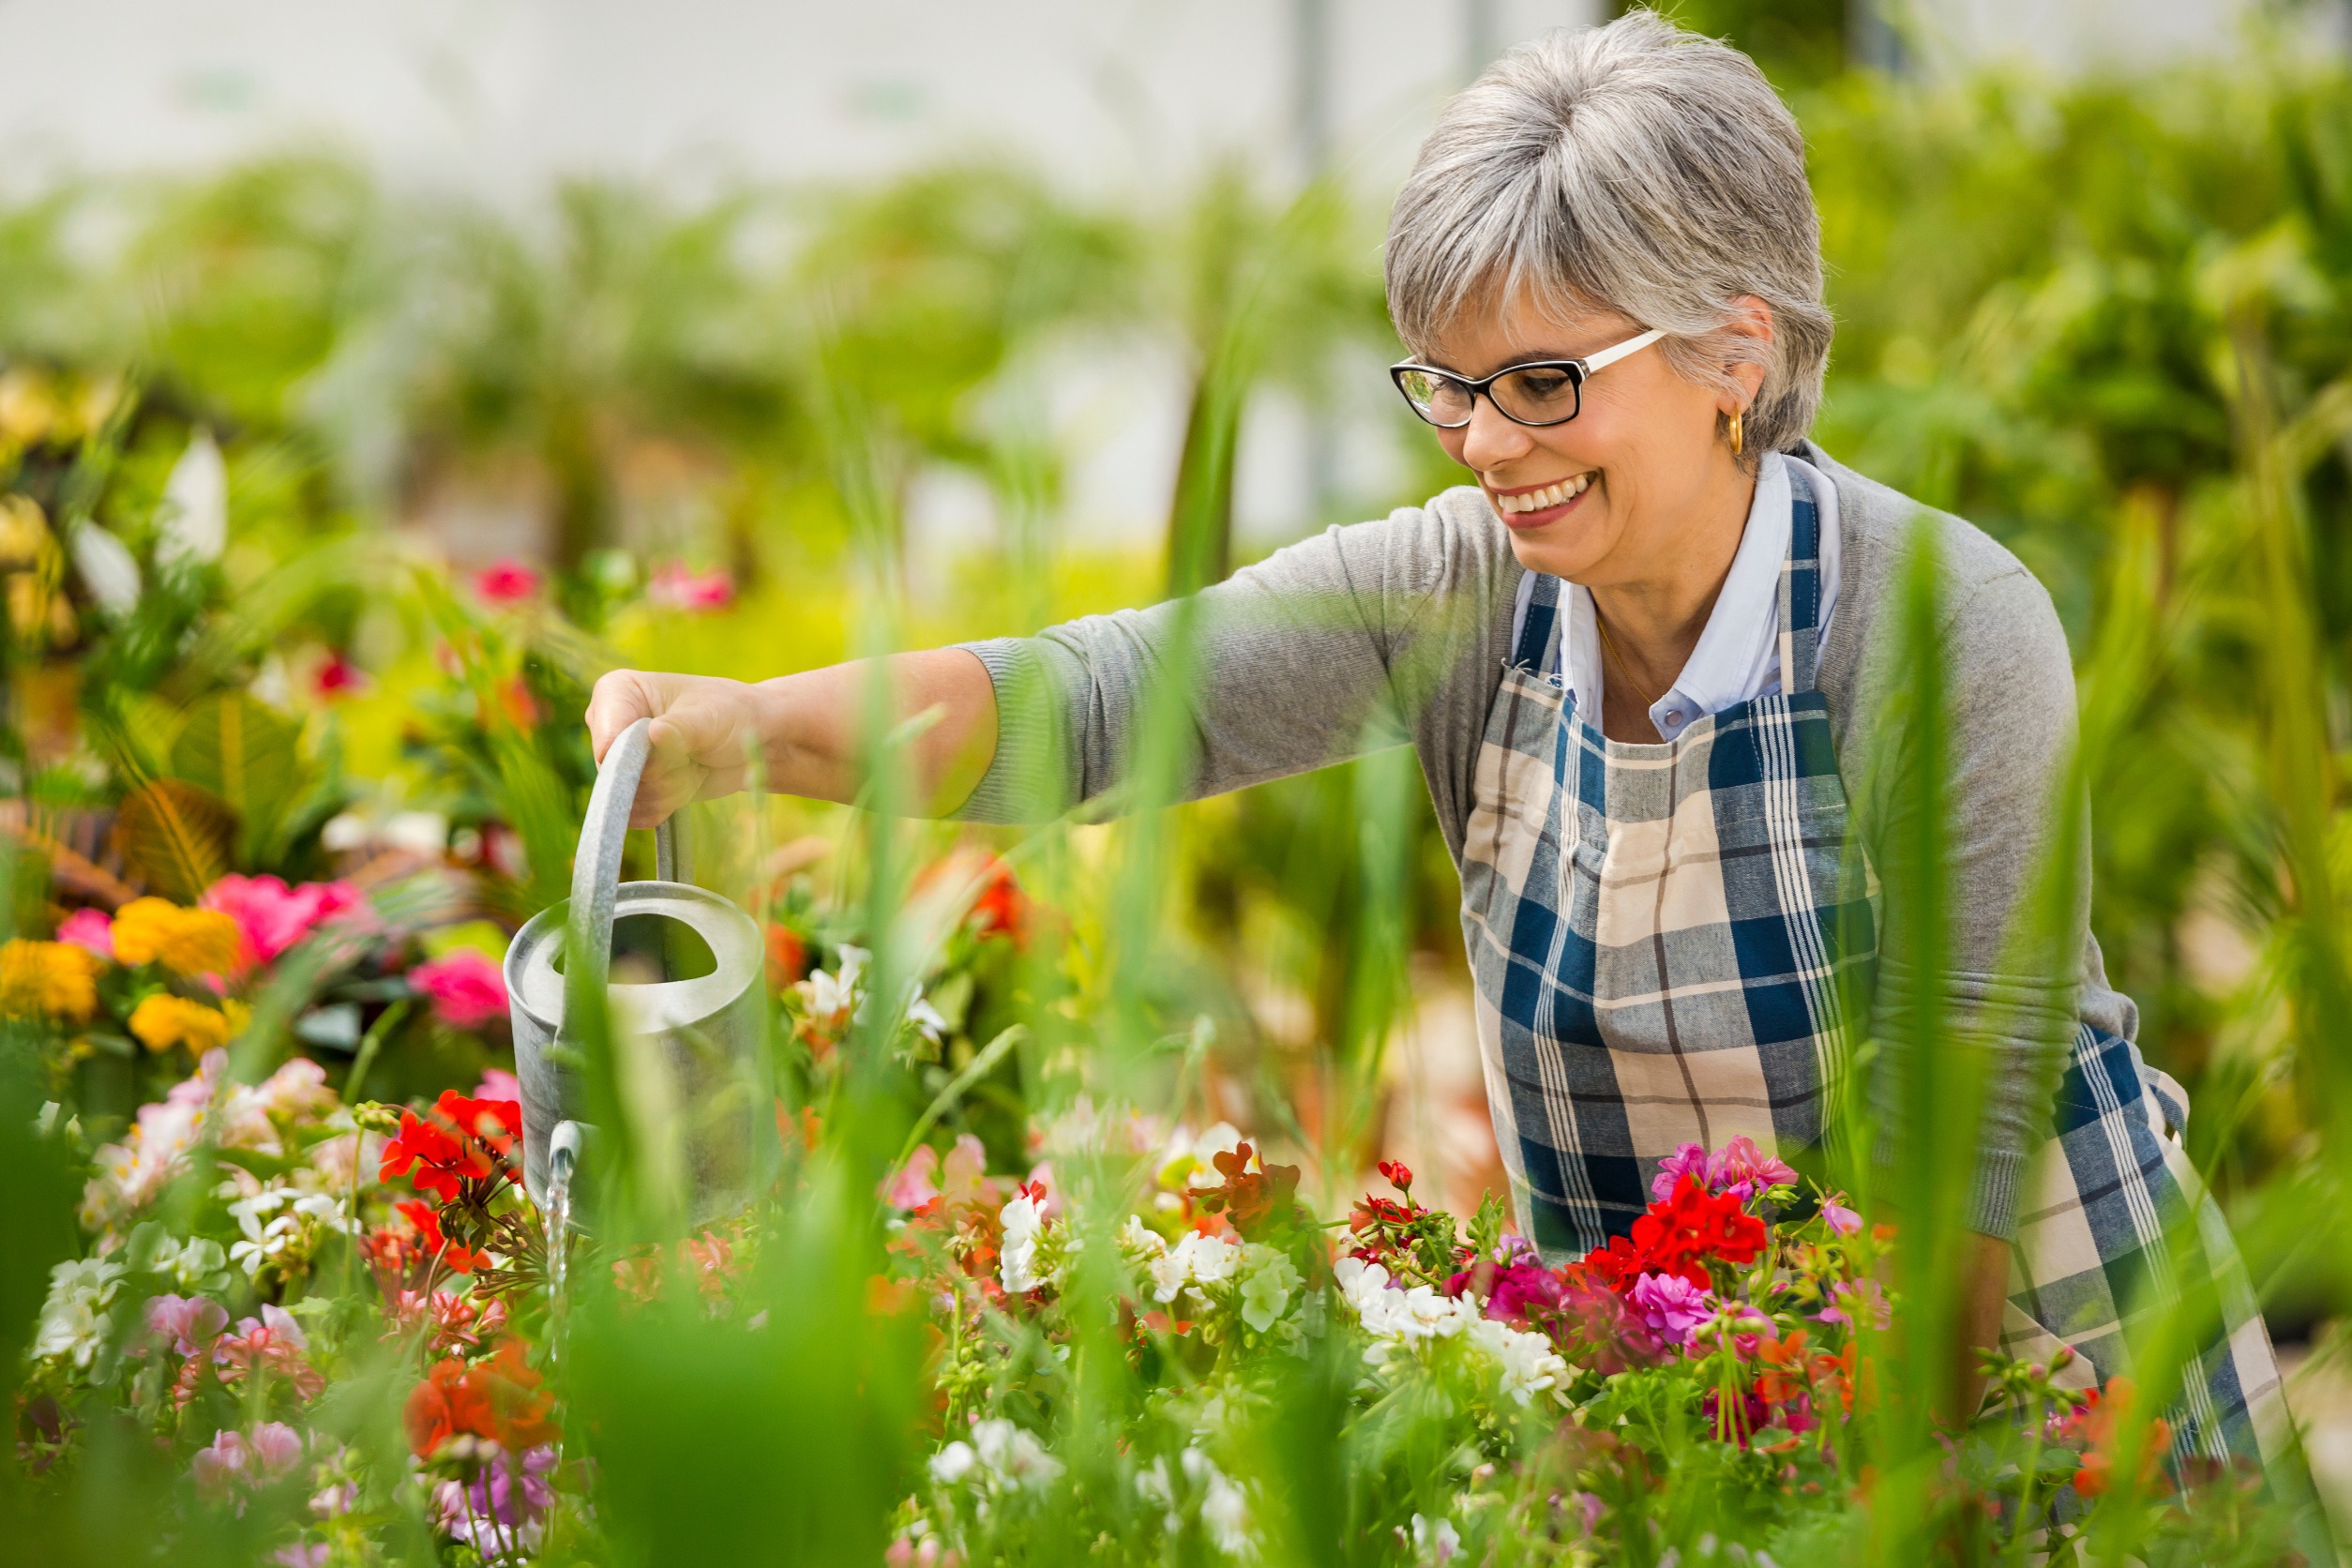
(704, 734)
(807, 730)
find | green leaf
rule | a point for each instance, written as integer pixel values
(244, 752)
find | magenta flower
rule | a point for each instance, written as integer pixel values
(189, 1322)
(498, 1512)
(498, 1084)
(505, 581)
(1742, 1169)
(218, 1464)
(464, 987)
(1671, 1306)
(676, 588)
(297, 1555)
(1858, 1304)
(90, 930)
(1841, 1219)
(276, 1447)
(1688, 1160)
(274, 917)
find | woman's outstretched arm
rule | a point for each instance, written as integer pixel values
(805, 729)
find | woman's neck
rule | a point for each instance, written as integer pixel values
(1655, 619)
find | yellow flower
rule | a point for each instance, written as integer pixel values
(164, 1021)
(51, 979)
(189, 942)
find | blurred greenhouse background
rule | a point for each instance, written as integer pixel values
(756, 327)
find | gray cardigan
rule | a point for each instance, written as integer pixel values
(1378, 632)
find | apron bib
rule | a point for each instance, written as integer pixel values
(1665, 938)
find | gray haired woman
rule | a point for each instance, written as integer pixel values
(1642, 660)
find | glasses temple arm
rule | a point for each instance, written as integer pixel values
(1611, 355)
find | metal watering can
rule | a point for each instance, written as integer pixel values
(684, 975)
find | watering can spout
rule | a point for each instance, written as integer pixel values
(679, 973)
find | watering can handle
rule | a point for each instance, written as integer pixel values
(596, 869)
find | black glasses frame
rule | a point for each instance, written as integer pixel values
(1580, 371)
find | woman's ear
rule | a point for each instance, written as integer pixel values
(1748, 342)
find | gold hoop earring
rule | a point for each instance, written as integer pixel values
(1738, 415)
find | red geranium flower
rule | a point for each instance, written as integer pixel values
(437, 1247)
(1680, 1235)
(465, 1140)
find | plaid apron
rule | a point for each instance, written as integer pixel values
(1660, 936)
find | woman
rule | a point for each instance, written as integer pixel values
(1642, 661)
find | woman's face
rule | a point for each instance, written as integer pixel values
(1614, 492)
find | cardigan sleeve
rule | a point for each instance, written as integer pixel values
(2005, 963)
(1329, 648)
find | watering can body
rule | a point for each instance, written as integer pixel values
(683, 976)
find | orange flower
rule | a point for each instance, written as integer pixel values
(1783, 1376)
(500, 1399)
(446, 1404)
(2094, 1422)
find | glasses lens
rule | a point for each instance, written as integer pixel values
(1538, 395)
(1439, 400)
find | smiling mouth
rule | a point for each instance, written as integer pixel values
(1557, 494)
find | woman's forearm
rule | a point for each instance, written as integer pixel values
(816, 727)
(811, 734)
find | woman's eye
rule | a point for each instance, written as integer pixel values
(1542, 383)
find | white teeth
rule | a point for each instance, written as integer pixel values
(1550, 495)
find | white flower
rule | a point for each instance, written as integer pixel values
(1024, 1222)
(1014, 1456)
(1208, 1259)
(190, 1263)
(107, 567)
(1435, 1543)
(1141, 1239)
(926, 1019)
(1528, 1362)
(195, 513)
(1267, 1286)
(1223, 1511)
(72, 1321)
(832, 994)
(952, 1463)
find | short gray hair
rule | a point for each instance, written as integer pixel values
(1635, 168)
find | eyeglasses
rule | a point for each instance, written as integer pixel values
(1539, 392)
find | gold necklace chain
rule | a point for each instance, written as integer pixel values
(1609, 646)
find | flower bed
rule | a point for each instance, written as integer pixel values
(1119, 1332)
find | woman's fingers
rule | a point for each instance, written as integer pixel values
(700, 731)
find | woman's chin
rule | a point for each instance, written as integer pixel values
(1563, 550)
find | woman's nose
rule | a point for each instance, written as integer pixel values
(1490, 441)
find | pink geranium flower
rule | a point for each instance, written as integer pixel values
(338, 677)
(90, 930)
(1841, 1219)
(189, 1322)
(1688, 1160)
(1742, 1169)
(677, 588)
(219, 1464)
(505, 581)
(274, 917)
(1858, 1304)
(1671, 1306)
(498, 1084)
(464, 987)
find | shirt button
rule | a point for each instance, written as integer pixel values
(1674, 715)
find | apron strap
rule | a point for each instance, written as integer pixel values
(1801, 590)
(1535, 623)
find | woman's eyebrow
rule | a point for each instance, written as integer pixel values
(1532, 357)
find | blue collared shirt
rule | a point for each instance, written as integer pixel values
(1738, 654)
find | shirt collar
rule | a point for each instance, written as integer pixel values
(1743, 626)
